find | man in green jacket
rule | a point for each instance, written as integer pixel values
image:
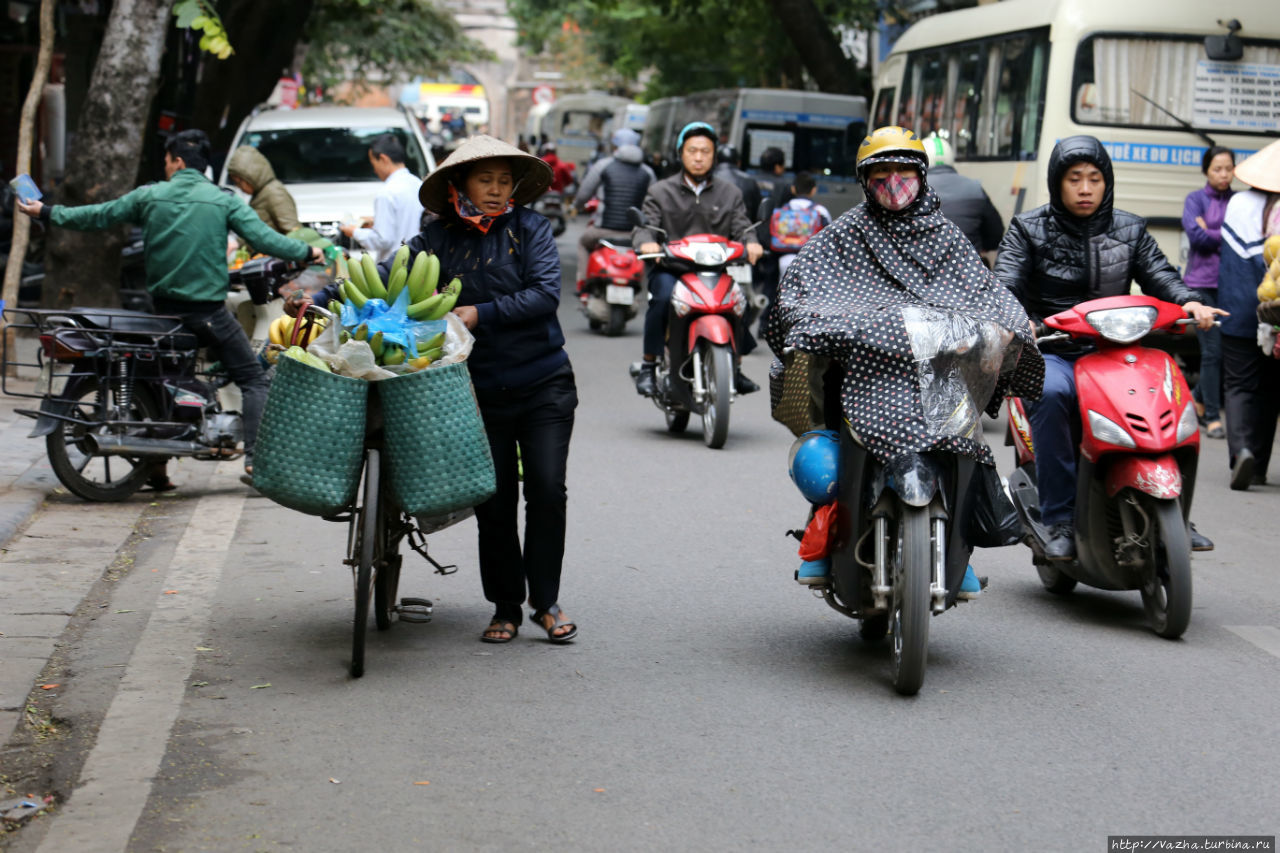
(185, 221)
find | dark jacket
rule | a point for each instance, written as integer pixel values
(967, 204)
(625, 179)
(746, 185)
(1053, 261)
(673, 206)
(512, 276)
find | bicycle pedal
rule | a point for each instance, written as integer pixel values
(415, 610)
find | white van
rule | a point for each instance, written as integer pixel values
(321, 154)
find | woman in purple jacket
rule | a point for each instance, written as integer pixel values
(1202, 221)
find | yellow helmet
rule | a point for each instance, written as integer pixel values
(891, 144)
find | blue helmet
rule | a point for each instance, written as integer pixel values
(814, 465)
(695, 128)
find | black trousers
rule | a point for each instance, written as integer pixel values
(1251, 397)
(539, 421)
(215, 328)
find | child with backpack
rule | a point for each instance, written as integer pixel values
(796, 221)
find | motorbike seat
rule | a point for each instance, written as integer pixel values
(138, 326)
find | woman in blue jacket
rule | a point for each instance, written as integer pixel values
(507, 260)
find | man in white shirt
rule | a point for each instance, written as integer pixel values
(397, 213)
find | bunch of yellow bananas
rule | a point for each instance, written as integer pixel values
(281, 331)
(1269, 290)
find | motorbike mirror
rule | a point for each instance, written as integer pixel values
(636, 217)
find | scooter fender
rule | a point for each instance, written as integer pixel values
(53, 409)
(1158, 476)
(915, 479)
(713, 327)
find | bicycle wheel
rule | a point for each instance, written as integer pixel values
(386, 564)
(366, 547)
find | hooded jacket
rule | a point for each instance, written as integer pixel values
(625, 178)
(1052, 260)
(271, 200)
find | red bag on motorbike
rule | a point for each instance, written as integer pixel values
(819, 534)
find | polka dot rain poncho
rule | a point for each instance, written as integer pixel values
(926, 335)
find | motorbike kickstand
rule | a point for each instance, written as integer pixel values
(418, 542)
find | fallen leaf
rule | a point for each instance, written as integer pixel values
(49, 686)
(203, 649)
(199, 684)
(125, 611)
(422, 783)
(260, 686)
(170, 592)
(335, 781)
(598, 790)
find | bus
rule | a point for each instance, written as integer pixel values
(818, 133)
(580, 126)
(1155, 81)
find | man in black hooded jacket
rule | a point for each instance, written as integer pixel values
(1073, 249)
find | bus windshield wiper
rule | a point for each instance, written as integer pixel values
(1182, 122)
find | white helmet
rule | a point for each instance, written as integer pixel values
(939, 151)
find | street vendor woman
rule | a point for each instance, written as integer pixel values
(846, 298)
(510, 270)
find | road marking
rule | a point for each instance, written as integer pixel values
(1264, 637)
(117, 776)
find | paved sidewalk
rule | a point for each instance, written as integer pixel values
(25, 475)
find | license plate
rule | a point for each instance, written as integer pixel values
(740, 274)
(619, 294)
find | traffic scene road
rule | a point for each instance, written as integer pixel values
(178, 674)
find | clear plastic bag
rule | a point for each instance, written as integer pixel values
(355, 358)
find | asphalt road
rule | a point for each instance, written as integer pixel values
(710, 703)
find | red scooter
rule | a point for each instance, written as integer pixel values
(695, 372)
(1139, 447)
(611, 287)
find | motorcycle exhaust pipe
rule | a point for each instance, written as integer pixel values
(125, 445)
(759, 301)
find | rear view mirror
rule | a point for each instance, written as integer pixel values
(636, 217)
(1226, 48)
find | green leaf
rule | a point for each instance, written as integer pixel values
(186, 11)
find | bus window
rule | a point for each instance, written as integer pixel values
(884, 107)
(1112, 72)
(818, 150)
(1014, 98)
(970, 62)
(933, 87)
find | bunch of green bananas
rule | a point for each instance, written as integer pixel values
(425, 302)
(388, 353)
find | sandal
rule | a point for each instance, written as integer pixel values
(1215, 430)
(557, 621)
(496, 628)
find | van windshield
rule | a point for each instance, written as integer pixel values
(820, 151)
(330, 154)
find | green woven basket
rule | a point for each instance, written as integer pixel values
(311, 442)
(437, 449)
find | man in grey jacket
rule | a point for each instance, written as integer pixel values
(689, 202)
(623, 180)
(964, 201)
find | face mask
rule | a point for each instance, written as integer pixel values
(895, 192)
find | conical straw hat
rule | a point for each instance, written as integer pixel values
(532, 174)
(1261, 170)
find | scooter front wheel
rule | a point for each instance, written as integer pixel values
(617, 320)
(912, 601)
(1166, 586)
(717, 379)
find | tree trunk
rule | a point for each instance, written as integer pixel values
(26, 131)
(83, 268)
(815, 41)
(265, 36)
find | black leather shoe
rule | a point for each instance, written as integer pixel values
(743, 384)
(1062, 542)
(645, 385)
(1200, 542)
(1242, 471)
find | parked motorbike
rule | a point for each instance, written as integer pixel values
(899, 529)
(1135, 475)
(122, 389)
(695, 373)
(611, 284)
